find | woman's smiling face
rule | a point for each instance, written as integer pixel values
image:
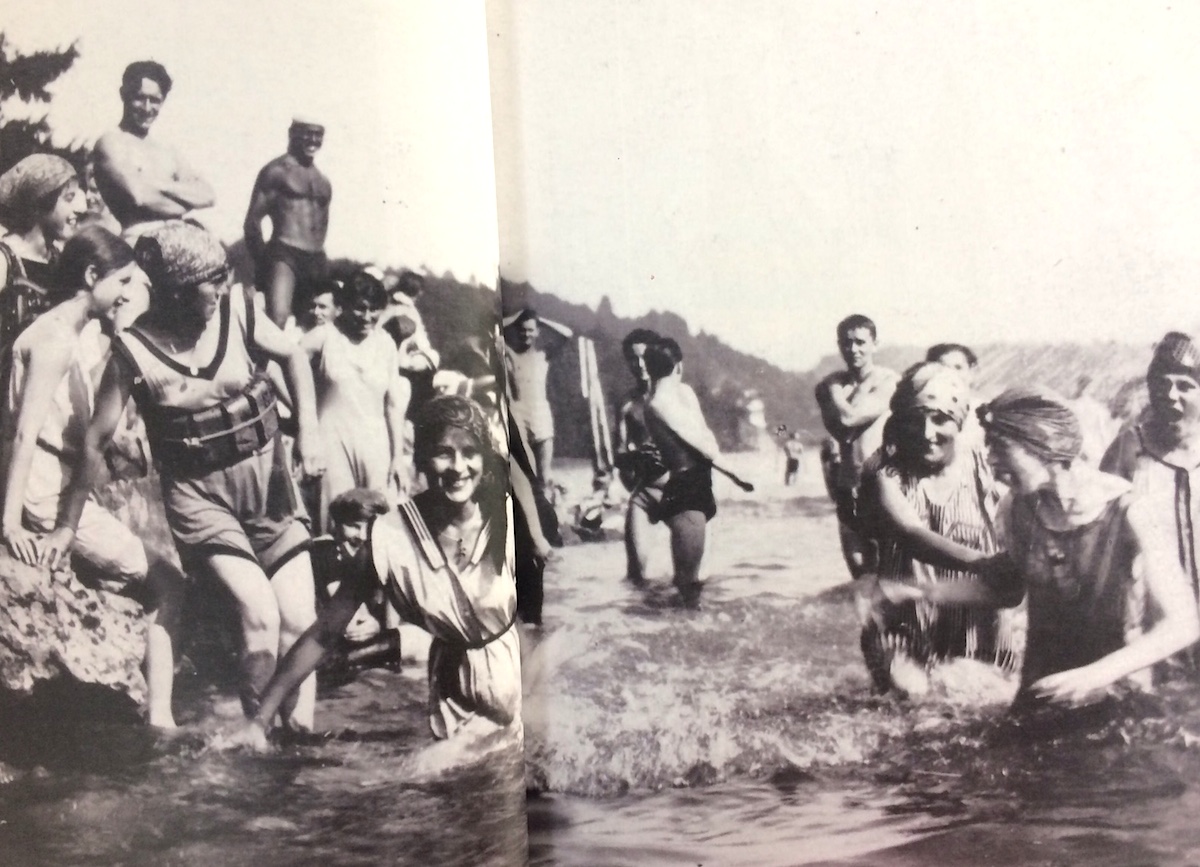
(455, 466)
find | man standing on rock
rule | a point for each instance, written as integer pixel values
(854, 408)
(144, 181)
(294, 195)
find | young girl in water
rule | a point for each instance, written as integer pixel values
(930, 500)
(441, 559)
(1073, 536)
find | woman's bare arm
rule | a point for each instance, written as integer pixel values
(49, 362)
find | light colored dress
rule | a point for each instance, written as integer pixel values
(475, 655)
(352, 382)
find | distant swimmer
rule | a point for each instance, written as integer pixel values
(688, 450)
(854, 408)
(142, 179)
(294, 195)
(793, 451)
(638, 461)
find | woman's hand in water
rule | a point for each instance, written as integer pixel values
(1075, 687)
(21, 544)
(251, 736)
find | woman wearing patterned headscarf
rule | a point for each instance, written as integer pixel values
(40, 205)
(1160, 452)
(193, 362)
(441, 560)
(1073, 536)
(931, 500)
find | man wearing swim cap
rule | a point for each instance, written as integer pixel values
(294, 195)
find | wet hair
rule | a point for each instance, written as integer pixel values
(91, 247)
(853, 322)
(524, 316)
(139, 69)
(643, 336)
(357, 504)
(662, 356)
(941, 350)
(361, 286)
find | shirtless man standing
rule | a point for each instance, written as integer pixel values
(141, 179)
(854, 408)
(294, 195)
(638, 461)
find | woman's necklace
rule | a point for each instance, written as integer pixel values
(456, 540)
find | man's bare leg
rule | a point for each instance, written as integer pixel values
(543, 454)
(281, 290)
(637, 529)
(688, 536)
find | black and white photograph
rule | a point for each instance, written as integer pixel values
(258, 597)
(610, 433)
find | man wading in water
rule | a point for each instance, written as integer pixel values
(854, 408)
(688, 449)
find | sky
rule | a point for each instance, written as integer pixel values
(968, 171)
(402, 88)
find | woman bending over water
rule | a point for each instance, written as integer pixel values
(1073, 535)
(931, 501)
(441, 560)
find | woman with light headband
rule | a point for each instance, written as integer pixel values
(1160, 452)
(193, 363)
(1073, 536)
(930, 502)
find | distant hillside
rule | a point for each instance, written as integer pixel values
(1109, 372)
(721, 375)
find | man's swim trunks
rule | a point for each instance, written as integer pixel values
(687, 490)
(308, 266)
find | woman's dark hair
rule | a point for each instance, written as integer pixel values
(941, 350)
(661, 357)
(90, 247)
(357, 504)
(643, 336)
(360, 287)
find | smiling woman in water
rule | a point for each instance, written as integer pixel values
(1074, 534)
(441, 560)
(929, 500)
